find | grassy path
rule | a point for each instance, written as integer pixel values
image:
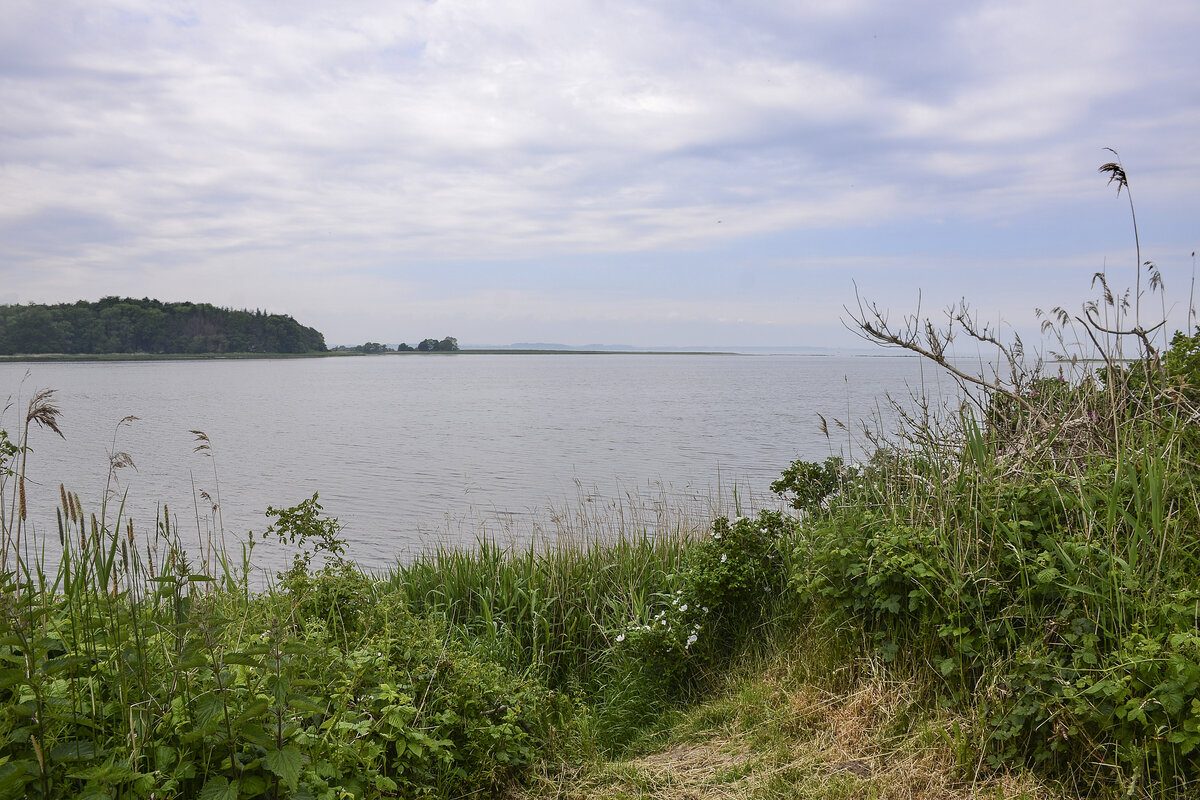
(773, 734)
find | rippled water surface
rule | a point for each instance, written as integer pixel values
(403, 449)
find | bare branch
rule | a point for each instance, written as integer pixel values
(873, 326)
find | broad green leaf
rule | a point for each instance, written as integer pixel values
(305, 704)
(208, 711)
(219, 788)
(75, 750)
(243, 659)
(15, 775)
(286, 763)
(109, 772)
(256, 734)
(252, 710)
(253, 785)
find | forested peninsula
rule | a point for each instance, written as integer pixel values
(116, 325)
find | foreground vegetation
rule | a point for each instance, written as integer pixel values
(938, 619)
(1001, 602)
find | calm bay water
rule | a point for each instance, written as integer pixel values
(406, 450)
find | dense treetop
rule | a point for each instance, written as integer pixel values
(126, 325)
(447, 345)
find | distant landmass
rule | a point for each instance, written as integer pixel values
(116, 325)
(620, 348)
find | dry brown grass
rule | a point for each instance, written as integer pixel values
(775, 738)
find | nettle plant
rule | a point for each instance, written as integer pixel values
(335, 593)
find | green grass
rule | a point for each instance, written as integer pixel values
(545, 610)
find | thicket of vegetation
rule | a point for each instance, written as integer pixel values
(446, 345)
(126, 325)
(1026, 562)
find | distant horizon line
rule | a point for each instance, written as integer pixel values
(657, 348)
(622, 348)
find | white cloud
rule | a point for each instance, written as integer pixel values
(180, 147)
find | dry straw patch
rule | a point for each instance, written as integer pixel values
(802, 743)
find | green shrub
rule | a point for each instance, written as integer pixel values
(806, 485)
(721, 595)
(1053, 594)
(1182, 361)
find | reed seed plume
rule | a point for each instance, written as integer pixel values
(121, 460)
(203, 445)
(1115, 173)
(44, 412)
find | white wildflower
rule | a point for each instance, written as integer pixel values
(683, 607)
(620, 637)
(724, 557)
(691, 640)
(704, 609)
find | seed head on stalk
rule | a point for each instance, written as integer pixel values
(45, 414)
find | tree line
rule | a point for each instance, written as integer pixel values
(447, 345)
(126, 325)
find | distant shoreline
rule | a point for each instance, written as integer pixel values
(100, 357)
(51, 357)
(44, 357)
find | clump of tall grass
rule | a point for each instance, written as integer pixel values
(557, 606)
(546, 610)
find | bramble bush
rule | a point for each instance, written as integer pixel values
(713, 606)
(1047, 603)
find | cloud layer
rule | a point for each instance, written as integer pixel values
(659, 173)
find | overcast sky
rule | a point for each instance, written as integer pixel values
(654, 173)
